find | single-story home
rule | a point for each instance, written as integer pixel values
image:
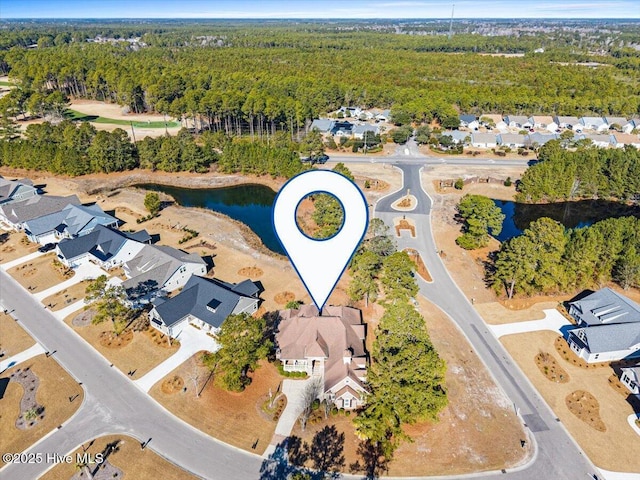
(383, 116)
(16, 190)
(205, 303)
(359, 131)
(323, 125)
(544, 122)
(630, 378)
(353, 112)
(469, 121)
(604, 307)
(594, 123)
(599, 140)
(616, 122)
(72, 221)
(157, 269)
(623, 139)
(329, 346)
(631, 125)
(539, 139)
(104, 246)
(512, 140)
(569, 122)
(606, 343)
(342, 129)
(518, 121)
(15, 214)
(483, 140)
(457, 136)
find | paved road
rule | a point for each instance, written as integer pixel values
(113, 404)
(558, 456)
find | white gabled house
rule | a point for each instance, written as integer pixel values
(484, 140)
(630, 378)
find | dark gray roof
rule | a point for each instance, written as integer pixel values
(607, 306)
(365, 128)
(103, 242)
(72, 219)
(10, 189)
(541, 138)
(142, 236)
(198, 294)
(36, 206)
(467, 118)
(610, 338)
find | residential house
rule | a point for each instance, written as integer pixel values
(457, 136)
(104, 246)
(600, 140)
(14, 214)
(518, 121)
(383, 116)
(512, 140)
(606, 343)
(329, 346)
(352, 112)
(544, 122)
(538, 139)
(156, 270)
(631, 125)
(630, 378)
(570, 123)
(342, 129)
(483, 140)
(491, 120)
(620, 140)
(205, 303)
(616, 123)
(594, 123)
(469, 121)
(359, 131)
(16, 190)
(323, 125)
(71, 221)
(604, 307)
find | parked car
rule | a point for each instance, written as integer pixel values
(313, 159)
(47, 247)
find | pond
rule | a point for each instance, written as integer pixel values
(577, 214)
(250, 204)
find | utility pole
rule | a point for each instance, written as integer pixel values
(451, 22)
(133, 133)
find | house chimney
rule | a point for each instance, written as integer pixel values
(346, 356)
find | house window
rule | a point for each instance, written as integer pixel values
(346, 403)
(596, 357)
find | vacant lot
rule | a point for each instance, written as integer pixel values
(140, 355)
(603, 448)
(40, 273)
(134, 462)
(55, 390)
(15, 245)
(234, 418)
(13, 338)
(477, 431)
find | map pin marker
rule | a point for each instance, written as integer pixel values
(320, 263)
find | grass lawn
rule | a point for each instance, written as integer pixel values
(6, 84)
(15, 245)
(54, 391)
(13, 338)
(39, 274)
(83, 117)
(603, 448)
(140, 355)
(129, 457)
(66, 297)
(231, 417)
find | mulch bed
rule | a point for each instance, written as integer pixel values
(550, 368)
(421, 268)
(172, 385)
(111, 340)
(84, 318)
(283, 298)
(29, 382)
(565, 352)
(586, 407)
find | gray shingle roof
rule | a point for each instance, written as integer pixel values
(541, 138)
(467, 118)
(36, 206)
(72, 219)
(103, 242)
(610, 338)
(322, 124)
(10, 189)
(360, 129)
(198, 294)
(607, 306)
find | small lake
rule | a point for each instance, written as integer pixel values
(518, 216)
(249, 204)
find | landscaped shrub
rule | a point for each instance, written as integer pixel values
(508, 182)
(459, 185)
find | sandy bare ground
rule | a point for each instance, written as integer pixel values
(113, 110)
(603, 448)
(13, 338)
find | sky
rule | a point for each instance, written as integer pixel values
(625, 9)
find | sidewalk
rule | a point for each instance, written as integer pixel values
(23, 356)
(553, 321)
(192, 341)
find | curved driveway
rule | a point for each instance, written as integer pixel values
(558, 456)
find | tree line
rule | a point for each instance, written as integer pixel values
(587, 172)
(547, 258)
